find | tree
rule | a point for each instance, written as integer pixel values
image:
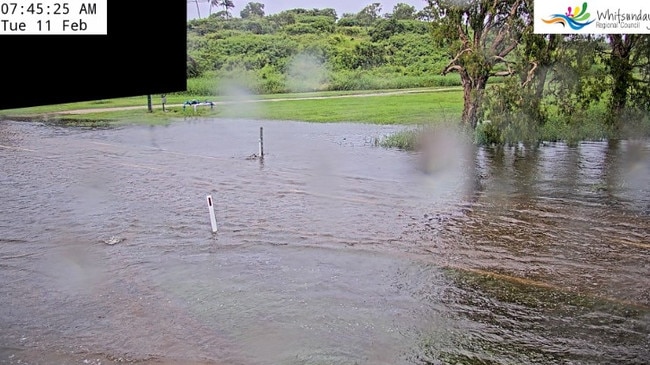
(579, 79)
(369, 14)
(639, 94)
(252, 9)
(227, 5)
(517, 108)
(384, 29)
(348, 20)
(537, 57)
(626, 63)
(198, 9)
(591, 68)
(427, 14)
(221, 14)
(330, 12)
(283, 18)
(403, 11)
(479, 34)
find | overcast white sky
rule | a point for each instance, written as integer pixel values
(276, 6)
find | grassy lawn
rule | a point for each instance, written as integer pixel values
(414, 106)
(108, 103)
(180, 98)
(384, 109)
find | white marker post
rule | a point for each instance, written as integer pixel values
(261, 142)
(213, 219)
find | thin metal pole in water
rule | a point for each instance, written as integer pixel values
(261, 142)
(213, 218)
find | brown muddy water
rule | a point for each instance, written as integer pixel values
(329, 251)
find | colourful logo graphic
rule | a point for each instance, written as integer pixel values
(575, 18)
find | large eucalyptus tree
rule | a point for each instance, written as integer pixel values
(479, 36)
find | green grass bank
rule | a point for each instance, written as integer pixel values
(414, 108)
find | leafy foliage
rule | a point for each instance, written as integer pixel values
(403, 11)
(252, 9)
(368, 15)
(518, 86)
(390, 53)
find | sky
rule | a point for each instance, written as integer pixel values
(276, 6)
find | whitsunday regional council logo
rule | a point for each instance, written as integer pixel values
(594, 17)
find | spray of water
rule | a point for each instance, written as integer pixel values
(306, 72)
(240, 100)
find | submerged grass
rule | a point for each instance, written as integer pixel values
(103, 119)
(540, 296)
(403, 140)
(512, 304)
(577, 129)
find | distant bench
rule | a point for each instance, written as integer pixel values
(195, 104)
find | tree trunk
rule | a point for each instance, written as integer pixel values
(149, 106)
(621, 71)
(545, 62)
(473, 92)
(198, 10)
(540, 85)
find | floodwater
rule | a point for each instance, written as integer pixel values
(330, 250)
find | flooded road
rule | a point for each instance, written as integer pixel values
(330, 250)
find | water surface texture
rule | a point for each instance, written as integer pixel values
(330, 250)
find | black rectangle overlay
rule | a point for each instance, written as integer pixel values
(144, 52)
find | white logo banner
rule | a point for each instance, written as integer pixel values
(591, 17)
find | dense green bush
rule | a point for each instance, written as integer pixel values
(385, 28)
(349, 21)
(389, 54)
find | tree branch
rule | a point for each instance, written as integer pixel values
(501, 59)
(531, 74)
(462, 35)
(487, 27)
(505, 31)
(502, 73)
(508, 49)
(453, 62)
(451, 68)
